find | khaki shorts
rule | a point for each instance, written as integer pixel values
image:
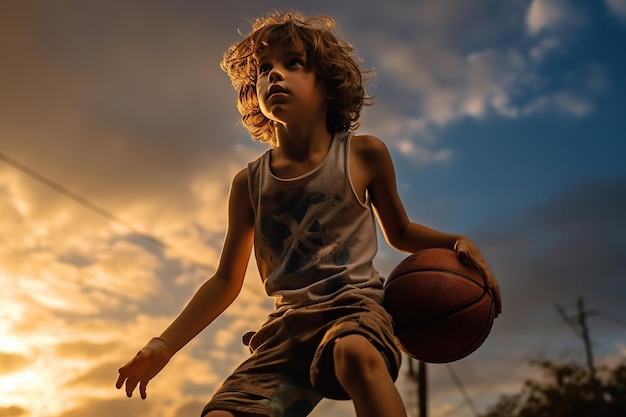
(291, 366)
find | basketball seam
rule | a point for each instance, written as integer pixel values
(447, 313)
(486, 326)
(435, 269)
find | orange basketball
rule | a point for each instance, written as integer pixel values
(441, 308)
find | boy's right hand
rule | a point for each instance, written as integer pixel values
(143, 367)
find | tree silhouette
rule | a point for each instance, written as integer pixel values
(567, 390)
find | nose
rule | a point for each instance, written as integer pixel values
(275, 74)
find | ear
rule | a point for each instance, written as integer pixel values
(329, 93)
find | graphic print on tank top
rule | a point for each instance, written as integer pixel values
(293, 230)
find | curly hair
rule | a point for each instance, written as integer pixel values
(331, 58)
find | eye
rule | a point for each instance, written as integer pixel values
(295, 62)
(264, 68)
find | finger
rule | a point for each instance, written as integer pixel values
(498, 303)
(462, 254)
(142, 389)
(123, 375)
(492, 287)
(498, 309)
(131, 384)
(495, 293)
(124, 371)
(120, 380)
(467, 258)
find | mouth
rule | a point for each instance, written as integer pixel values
(276, 89)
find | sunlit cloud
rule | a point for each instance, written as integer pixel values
(13, 411)
(11, 362)
(423, 154)
(545, 15)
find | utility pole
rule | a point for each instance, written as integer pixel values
(420, 379)
(578, 324)
(421, 376)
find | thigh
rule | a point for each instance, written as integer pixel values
(273, 381)
(366, 318)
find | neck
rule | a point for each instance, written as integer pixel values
(301, 143)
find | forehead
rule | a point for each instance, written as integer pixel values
(282, 49)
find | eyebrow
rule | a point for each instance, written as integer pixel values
(289, 53)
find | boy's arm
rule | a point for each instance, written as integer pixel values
(399, 231)
(215, 295)
(209, 301)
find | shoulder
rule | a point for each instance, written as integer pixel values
(369, 149)
(368, 143)
(240, 180)
(240, 190)
(239, 198)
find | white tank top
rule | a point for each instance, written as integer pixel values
(314, 238)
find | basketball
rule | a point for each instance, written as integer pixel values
(441, 308)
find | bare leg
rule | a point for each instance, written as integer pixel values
(361, 370)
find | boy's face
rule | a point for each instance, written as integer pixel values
(287, 87)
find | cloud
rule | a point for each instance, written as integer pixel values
(11, 362)
(83, 348)
(438, 65)
(63, 267)
(544, 47)
(108, 407)
(562, 102)
(49, 280)
(545, 15)
(13, 411)
(191, 408)
(617, 7)
(121, 123)
(422, 154)
(97, 377)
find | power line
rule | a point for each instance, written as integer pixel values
(82, 201)
(511, 369)
(104, 213)
(612, 317)
(461, 388)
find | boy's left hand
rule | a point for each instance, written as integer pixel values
(143, 367)
(469, 254)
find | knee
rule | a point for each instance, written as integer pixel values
(356, 359)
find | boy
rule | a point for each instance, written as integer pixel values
(306, 206)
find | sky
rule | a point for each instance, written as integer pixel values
(119, 137)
